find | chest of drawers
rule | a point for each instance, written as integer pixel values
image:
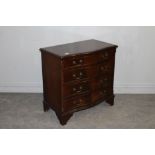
(77, 76)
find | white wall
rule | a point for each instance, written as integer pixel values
(20, 62)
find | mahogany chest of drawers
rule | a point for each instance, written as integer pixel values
(77, 76)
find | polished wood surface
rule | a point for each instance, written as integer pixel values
(79, 79)
(77, 48)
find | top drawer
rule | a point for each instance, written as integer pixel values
(92, 58)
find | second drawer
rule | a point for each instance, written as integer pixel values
(87, 72)
(75, 88)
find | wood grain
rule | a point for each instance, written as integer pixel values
(80, 80)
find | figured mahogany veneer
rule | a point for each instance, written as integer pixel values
(77, 76)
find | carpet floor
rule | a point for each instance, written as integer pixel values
(24, 111)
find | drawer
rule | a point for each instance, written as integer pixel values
(98, 57)
(87, 59)
(101, 94)
(76, 102)
(72, 89)
(76, 74)
(101, 82)
(81, 73)
(73, 61)
(106, 55)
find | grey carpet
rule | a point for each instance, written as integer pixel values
(20, 111)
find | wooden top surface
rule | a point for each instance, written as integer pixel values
(77, 48)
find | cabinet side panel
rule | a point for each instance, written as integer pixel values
(113, 67)
(51, 69)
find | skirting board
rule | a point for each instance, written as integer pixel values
(37, 88)
(24, 87)
(134, 89)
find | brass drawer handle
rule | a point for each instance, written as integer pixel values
(104, 92)
(78, 103)
(81, 74)
(105, 56)
(74, 62)
(81, 87)
(74, 89)
(80, 100)
(104, 68)
(104, 80)
(74, 75)
(81, 61)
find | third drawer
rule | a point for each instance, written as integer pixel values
(87, 72)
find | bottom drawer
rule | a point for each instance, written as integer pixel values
(100, 94)
(76, 102)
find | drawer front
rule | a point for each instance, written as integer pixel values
(107, 55)
(101, 82)
(88, 59)
(100, 94)
(98, 57)
(75, 74)
(73, 61)
(75, 89)
(76, 102)
(87, 72)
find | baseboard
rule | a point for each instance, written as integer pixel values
(26, 87)
(134, 88)
(37, 88)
